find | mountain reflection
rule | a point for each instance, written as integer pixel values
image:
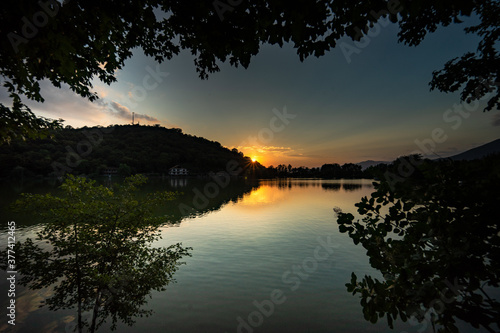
(199, 197)
(190, 200)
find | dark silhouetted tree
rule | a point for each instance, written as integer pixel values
(73, 42)
(435, 237)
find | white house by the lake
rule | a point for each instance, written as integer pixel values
(178, 171)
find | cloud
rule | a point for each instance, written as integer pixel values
(276, 151)
(77, 111)
(101, 91)
(120, 110)
(124, 112)
(63, 103)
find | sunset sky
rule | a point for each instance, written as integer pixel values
(375, 106)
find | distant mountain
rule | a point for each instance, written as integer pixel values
(479, 152)
(366, 164)
(471, 154)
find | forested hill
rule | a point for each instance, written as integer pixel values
(131, 148)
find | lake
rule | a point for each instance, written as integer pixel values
(267, 257)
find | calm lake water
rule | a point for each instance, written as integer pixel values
(267, 257)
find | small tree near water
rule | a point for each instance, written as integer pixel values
(95, 250)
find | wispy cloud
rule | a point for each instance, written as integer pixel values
(120, 110)
(77, 111)
(124, 112)
(277, 151)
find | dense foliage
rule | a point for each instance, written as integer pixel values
(432, 230)
(21, 123)
(130, 148)
(74, 42)
(328, 171)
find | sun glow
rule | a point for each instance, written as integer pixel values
(254, 159)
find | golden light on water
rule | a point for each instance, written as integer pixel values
(263, 196)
